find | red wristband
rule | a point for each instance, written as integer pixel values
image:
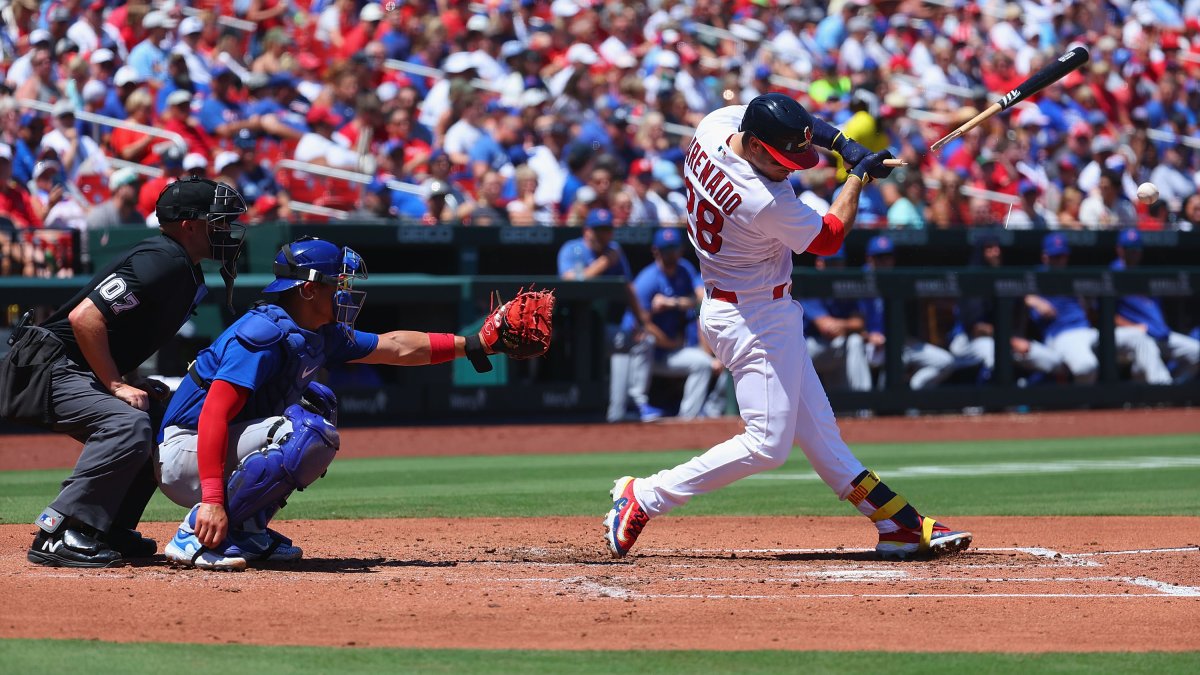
(441, 347)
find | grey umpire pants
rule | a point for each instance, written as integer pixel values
(113, 478)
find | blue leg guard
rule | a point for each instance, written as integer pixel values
(264, 480)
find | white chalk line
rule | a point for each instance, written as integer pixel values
(1010, 468)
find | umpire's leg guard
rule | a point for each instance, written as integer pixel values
(264, 480)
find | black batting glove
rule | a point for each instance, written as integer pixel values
(852, 151)
(871, 167)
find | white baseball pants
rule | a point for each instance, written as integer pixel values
(982, 350)
(1075, 348)
(761, 342)
(843, 360)
(179, 470)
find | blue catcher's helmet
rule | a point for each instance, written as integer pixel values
(317, 260)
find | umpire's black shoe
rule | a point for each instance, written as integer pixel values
(131, 543)
(71, 547)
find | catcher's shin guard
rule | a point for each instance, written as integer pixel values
(264, 479)
(877, 501)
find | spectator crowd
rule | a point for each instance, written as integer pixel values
(535, 112)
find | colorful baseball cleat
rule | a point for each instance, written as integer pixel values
(268, 545)
(185, 550)
(931, 541)
(625, 521)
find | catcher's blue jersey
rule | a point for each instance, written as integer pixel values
(267, 353)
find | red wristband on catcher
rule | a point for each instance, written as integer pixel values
(441, 347)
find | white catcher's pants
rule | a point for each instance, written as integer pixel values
(781, 401)
(179, 470)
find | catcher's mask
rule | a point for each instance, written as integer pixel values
(312, 259)
(218, 204)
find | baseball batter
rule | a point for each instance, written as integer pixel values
(745, 221)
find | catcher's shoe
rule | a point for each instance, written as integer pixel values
(932, 540)
(185, 550)
(625, 521)
(266, 545)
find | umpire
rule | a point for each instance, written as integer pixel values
(67, 374)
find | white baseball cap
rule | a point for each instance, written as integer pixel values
(121, 177)
(458, 62)
(667, 59)
(371, 12)
(533, 97)
(477, 22)
(582, 52)
(102, 55)
(127, 75)
(179, 96)
(94, 90)
(625, 60)
(194, 160)
(157, 19)
(191, 25)
(564, 8)
(387, 91)
(225, 159)
(39, 36)
(63, 107)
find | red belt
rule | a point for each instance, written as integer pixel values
(731, 297)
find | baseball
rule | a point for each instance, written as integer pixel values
(1147, 193)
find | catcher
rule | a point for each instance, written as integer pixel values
(248, 425)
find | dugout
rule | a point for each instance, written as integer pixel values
(571, 382)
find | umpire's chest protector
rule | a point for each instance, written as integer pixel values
(301, 353)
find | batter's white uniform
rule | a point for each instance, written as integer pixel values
(744, 228)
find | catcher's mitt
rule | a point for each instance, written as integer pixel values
(520, 328)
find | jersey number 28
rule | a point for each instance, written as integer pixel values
(706, 221)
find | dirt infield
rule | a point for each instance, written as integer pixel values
(48, 451)
(1030, 585)
(1035, 584)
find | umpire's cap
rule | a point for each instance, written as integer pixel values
(195, 198)
(784, 127)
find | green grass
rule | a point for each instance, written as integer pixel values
(542, 485)
(26, 656)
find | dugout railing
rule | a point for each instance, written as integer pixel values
(571, 383)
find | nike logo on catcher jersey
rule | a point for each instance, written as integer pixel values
(309, 371)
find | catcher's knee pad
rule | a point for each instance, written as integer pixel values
(877, 501)
(320, 400)
(264, 479)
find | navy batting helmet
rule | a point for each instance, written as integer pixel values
(784, 128)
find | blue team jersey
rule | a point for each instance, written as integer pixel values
(654, 281)
(276, 373)
(1142, 309)
(216, 112)
(575, 255)
(1069, 315)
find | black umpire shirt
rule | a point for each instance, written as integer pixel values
(145, 296)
